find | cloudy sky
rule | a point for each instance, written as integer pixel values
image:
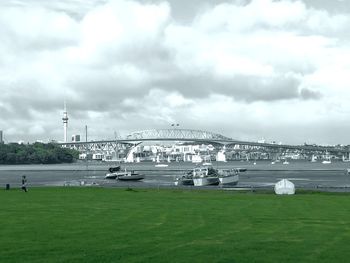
(278, 70)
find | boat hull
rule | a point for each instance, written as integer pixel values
(229, 180)
(184, 181)
(111, 176)
(203, 181)
(132, 177)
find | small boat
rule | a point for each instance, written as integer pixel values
(111, 176)
(113, 172)
(327, 159)
(114, 169)
(345, 160)
(207, 161)
(161, 165)
(230, 177)
(285, 162)
(205, 176)
(313, 159)
(186, 179)
(130, 176)
(117, 173)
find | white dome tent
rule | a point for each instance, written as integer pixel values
(284, 187)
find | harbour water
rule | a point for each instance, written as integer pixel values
(263, 174)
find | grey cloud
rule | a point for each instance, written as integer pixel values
(240, 87)
(308, 94)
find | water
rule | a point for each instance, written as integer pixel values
(303, 174)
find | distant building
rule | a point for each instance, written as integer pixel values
(76, 138)
(1, 138)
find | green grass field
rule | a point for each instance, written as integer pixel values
(144, 225)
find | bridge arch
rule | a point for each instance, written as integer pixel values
(176, 134)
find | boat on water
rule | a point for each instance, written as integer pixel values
(231, 176)
(327, 159)
(346, 160)
(186, 179)
(130, 176)
(111, 176)
(313, 159)
(123, 175)
(207, 161)
(113, 172)
(160, 165)
(285, 162)
(205, 176)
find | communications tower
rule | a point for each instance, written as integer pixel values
(65, 123)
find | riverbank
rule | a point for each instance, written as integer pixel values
(60, 224)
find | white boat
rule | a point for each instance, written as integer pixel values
(111, 176)
(169, 161)
(113, 172)
(228, 176)
(161, 165)
(205, 176)
(130, 176)
(327, 159)
(124, 175)
(207, 161)
(186, 179)
(313, 159)
(346, 160)
(285, 162)
(272, 162)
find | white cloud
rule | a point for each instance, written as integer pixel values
(242, 69)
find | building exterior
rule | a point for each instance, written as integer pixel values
(76, 138)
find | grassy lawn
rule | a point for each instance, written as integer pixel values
(145, 225)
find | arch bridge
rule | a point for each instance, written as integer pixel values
(177, 135)
(188, 135)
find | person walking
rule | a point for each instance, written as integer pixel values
(24, 183)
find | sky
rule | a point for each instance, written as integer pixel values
(278, 70)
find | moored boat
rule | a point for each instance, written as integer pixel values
(161, 165)
(205, 176)
(113, 172)
(130, 176)
(111, 176)
(117, 173)
(186, 179)
(229, 177)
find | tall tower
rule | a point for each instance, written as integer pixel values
(65, 123)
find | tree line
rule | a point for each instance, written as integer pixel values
(37, 153)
